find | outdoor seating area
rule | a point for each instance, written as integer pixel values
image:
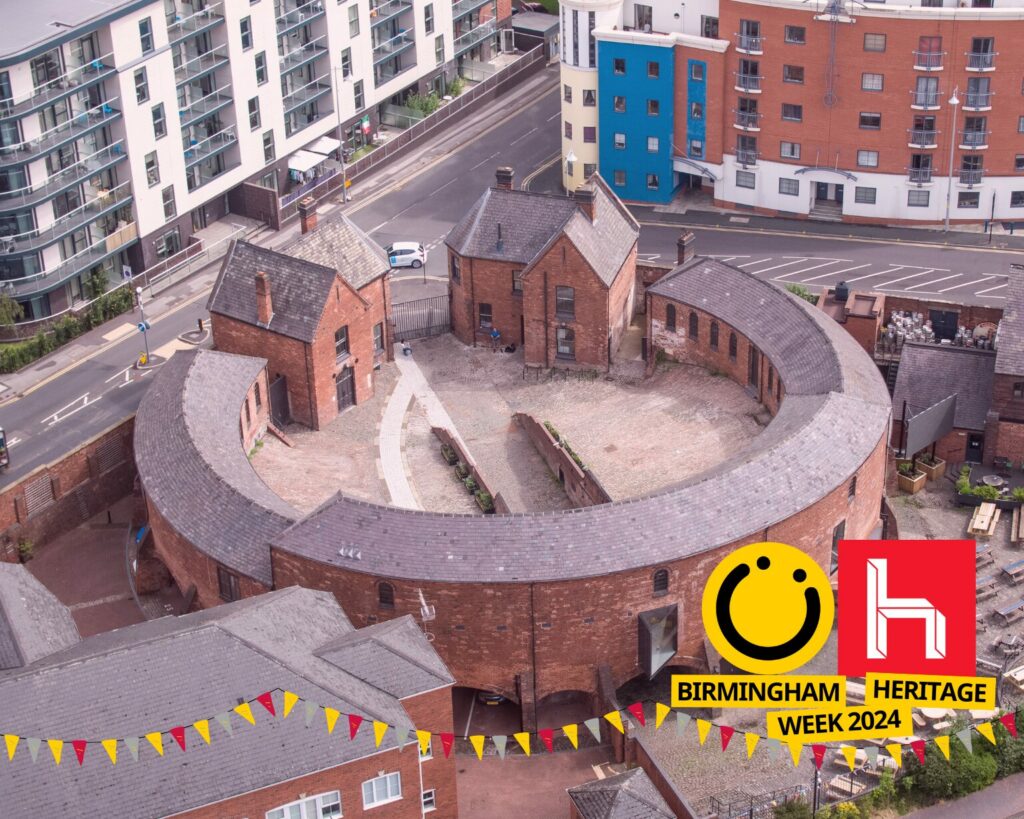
(983, 524)
(1015, 571)
(1003, 476)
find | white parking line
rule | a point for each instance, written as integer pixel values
(775, 267)
(971, 283)
(879, 273)
(835, 273)
(809, 269)
(67, 410)
(990, 289)
(934, 281)
(756, 261)
(911, 276)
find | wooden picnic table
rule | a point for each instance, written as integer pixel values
(937, 713)
(985, 714)
(983, 519)
(1012, 611)
(986, 586)
(1015, 571)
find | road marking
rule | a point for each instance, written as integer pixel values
(553, 116)
(809, 269)
(79, 404)
(776, 267)
(990, 289)
(125, 374)
(756, 261)
(13, 441)
(911, 276)
(110, 598)
(524, 136)
(880, 273)
(484, 161)
(967, 284)
(171, 347)
(120, 332)
(375, 229)
(649, 257)
(836, 272)
(934, 281)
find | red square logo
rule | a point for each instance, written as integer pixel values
(907, 607)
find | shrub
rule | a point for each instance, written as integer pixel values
(1008, 752)
(802, 292)
(907, 468)
(989, 493)
(554, 432)
(797, 809)
(1018, 494)
(847, 810)
(426, 105)
(470, 485)
(462, 471)
(26, 549)
(485, 500)
(456, 86)
(964, 773)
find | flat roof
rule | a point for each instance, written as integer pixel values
(51, 22)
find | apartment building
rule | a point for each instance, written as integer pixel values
(128, 125)
(877, 112)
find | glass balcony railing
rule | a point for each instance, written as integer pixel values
(747, 119)
(981, 60)
(302, 55)
(928, 60)
(463, 7)
(919, 176)
(388, 10)
(924, 99)
(196, 152)
(212, 168)
(204, 106)
(748, 82)
(464, 42)
(201, 65)
(312, 90)
(76, 127)
(294, 13)
(70, 82)
(971, 176)
(746, 157)
(180, 27)
(749, 43)
(67, 178)
(977, 100)
(385, 72)
(974, 139)
(389, 48)
(922, 137)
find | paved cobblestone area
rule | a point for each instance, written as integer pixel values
(636, 438)
(434, 482)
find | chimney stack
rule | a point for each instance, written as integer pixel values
(684, 247)
(504, 177)
(584, 196)
(264, 306)
(307, 214)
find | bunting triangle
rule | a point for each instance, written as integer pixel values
(572, 732)
(79, 746)
(245, 712)
(918, 748)
(11, 740)
(477, 741)
(523, 738)
(985, 729)
(819, 754)
(547, 736)
(289, 702)
(615, 718)
(424, 739)
(726, 731)
(132, 744)
(33, 746)
(402, 734)
(872, 754)
(660, 712)
(379, 730)
(896, 752)
(110, 746)
(447, 740)
(703, 727)
(267, 701)
(224, 721)
(1010, 723)
(751, 740)
(594, 726)
(795, 748)
(849, 754)
(682, 720)
(56, 748)
(311, 709)
(965, 738)
(178, 733)
(773, 746)
(331, 715)
(943, 745)
(499, 743)
(637, 710)
(156, 739)
(354, 721)
(202, 727)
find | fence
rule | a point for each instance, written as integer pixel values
(304, 190)
(398, 116)
(421, 318)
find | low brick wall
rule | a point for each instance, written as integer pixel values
(57, 497)
(581, 487)
(445, 437)
(647, 273)
(665, 787)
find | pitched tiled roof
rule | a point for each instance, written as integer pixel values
(929, 373)
(159, 674)
(606, 242)
(298, 289)
(1010, 341)
(338, 243)
(629, 795)
(33, 623)
(189, 454)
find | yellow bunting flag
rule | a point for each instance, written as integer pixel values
(424, 738)
(794, 749)
(615, 718)
(523, 738)
(379, 729)
(896, 752)
(56, 748)
(331, 715)
(202, 727)
(477, 741)
(289, 702)
(12, 742)
(703, 727)
(110, 746)
(943, 744)
(660, 712)
(245, 712)
(985, 729)
(752, 740)
(156, 739)
(850, 754)
(572, 732)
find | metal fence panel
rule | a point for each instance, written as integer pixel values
(421, 318)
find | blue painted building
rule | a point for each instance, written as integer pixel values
(636, 109)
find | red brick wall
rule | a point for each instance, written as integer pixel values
(255, 412)
(971, 315)
(621, 297)
(488, 282)
(433, 712)
(864, 330)
(1003, 402)
(951, 447)
(718, 107)
(580, 486)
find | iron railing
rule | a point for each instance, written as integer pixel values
(749, 43)
(981, 60)
(928, 60)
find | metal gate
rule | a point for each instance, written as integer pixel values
(421, 318)
(279, 413)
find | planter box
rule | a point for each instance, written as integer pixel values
(912, 484)
(487, 510)
(449, 454)
(935, 471)
(471, 485)
(1005, 504)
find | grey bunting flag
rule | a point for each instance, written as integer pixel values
(965, 737)
(132, 744)
(594, 726)
(224, 720)
(33, 746)
(402, 734)
(311, 709)
(499, 743)
(682, 720)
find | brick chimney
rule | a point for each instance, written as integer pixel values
(264, 306)
(307, 214)
(684, 247)
(504, 177)
(584, 196)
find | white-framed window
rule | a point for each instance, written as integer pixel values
(619, 177)
(1020, 125)
(917, 198)
(874, 42)
(789, 187)
(864, 196)
(968, 199)
(620, 141)
(867, 159)
(696, 148)
(793, 73)
(323, 806)
(1017, 199)
(652, 182)
(796, 34)
(385, 788)
(697, 72)
(353, 20)
(871, 82)
(792, 112)
(790, 150)
(871, 120)
(745, 179)
(652, 145)
(429, 800)
(428, 752)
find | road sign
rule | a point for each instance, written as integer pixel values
(143, 326)
(126, 271)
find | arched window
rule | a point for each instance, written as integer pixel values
(693, 326)
(670, 317)
(661, 582)
(714, 335)
(732, 346)
(386, 595)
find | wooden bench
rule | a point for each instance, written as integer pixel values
(984, 520)
(1013, 611)
(986, 586)
(1016, 676)
(1015, 524)
(1015, 571)
(983, 555)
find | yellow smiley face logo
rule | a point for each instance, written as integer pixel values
(768, 608)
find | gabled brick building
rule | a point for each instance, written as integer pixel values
(554, 275)
(317, 312)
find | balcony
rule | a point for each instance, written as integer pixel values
(978, 101)
(748, 83)
(389, 48)
(387, 10)
(302, 55)
(925, 100)
(204, 107)
(466, 41)
(928, 60)
(72, 81)
(973, 140)
(919, 176)
(65, 179)
(970, 176)
(295, 13)
(463, 7)
(981, 60)
(79, 125)
(747, 120)
(212, 168)
(746, 158)
(179, 28)
(385, 72)
(306, 93)
(104, 203)
(197, 151)
(922, 138)
(749, 44)
(200, 65)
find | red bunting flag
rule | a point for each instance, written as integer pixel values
(79, 746)
(447, 740)
(354, 721)
(1009, 723)
(819, 755)
(179, 736)
(267, 702)
(727, 733)
(918, 747)
(637, 710)
(547, 736)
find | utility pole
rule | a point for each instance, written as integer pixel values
(340, 70)
(143, 326)
(953, 103)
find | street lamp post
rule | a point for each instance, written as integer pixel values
(142, 320)
(954, 102)
(341, 136)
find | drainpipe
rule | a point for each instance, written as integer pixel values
(313, 415)
(547, 360)
(533, 661)
(472, 305)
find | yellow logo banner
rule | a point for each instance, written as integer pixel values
(746, 691)
(965, 693)
(861, 722)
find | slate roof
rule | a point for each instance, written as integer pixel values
(298, 289)
(530, 221)
(929, 373)
(629, 795)
(33, 623)
(189, 455)
(338, 243)
(1010, 340)
(163, 673)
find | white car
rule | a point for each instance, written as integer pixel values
(407, 254)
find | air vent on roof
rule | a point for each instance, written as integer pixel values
(842, 292)
(351, 552)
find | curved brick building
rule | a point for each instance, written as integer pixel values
(532, 605)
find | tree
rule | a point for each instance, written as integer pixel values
(964, 773)
(96, 284)
(10, 311)
(794, 809)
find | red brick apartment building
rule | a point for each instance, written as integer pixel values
(318, 312)
(553, 274)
